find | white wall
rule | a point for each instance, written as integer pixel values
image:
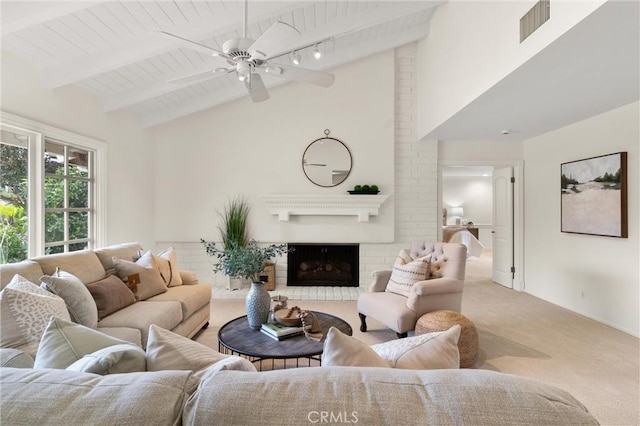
(130, 202)
(254, 149)
(207, 157)
(594, 276)
(472, 45)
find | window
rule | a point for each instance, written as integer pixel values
(52, 189)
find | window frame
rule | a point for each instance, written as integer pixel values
(37, 133)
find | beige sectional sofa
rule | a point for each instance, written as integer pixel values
(313, 395)
(183, 309)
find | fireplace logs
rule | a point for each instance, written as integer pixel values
(323, 265)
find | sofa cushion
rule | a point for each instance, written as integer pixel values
(141, 315)
(382, 396)
(110, 294)
(167, 262)
(84, 264)
(81, 306)
(16, 358)
(406, 272)
(428, 351)
(191, 297)
(145, 268)
(63, 343)
(70, 398)
(26, 310)
(28, 269)
(170, 351)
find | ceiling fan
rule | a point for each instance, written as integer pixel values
(249, 58)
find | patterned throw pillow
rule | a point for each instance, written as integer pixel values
(406, 272)
(26, 310)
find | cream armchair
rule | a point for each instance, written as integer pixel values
(401, 313)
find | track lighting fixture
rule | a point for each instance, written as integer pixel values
(316, 52)
(296, 58)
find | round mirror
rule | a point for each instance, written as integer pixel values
(326, 161)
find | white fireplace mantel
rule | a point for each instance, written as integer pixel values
(287, 205)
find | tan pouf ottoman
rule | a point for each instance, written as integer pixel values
(444, 320)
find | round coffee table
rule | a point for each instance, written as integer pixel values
(236, 338)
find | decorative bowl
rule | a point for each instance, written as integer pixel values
(289, 317)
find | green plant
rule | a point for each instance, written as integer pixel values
(374, 187)
(357, 188)
(366, 188)
(233, 228)
(243, 261)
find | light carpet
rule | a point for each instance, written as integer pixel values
(519, 334)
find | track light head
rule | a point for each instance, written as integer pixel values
(296, 59)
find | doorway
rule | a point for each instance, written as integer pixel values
(473, 185)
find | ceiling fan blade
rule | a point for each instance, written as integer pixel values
(193, 45)
(201, 75)
(274, 40)
(256, 88)
(317, 78)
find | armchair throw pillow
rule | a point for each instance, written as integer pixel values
(406, 272)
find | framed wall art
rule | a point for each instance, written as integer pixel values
(594, 196)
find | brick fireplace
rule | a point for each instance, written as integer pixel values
(323, 265)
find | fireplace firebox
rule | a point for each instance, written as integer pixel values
(323, 265)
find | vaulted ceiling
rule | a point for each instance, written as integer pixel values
(113, 50)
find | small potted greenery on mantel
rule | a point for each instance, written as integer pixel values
(241, 258)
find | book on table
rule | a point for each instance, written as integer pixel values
(279, 338)
(280, 331)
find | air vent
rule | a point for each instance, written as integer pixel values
(534, 18)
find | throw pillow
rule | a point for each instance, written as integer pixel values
(80, 304)
(167, 350)
(26, 310)
(167, 262)
(436, 269)
(428, 351)
(406, 272)
(143, 270)
(111, 360)
(341, 350)
(110, 295)
(64, 342)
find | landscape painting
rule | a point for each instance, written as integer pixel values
(594, 196)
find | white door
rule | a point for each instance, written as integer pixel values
(502, 232)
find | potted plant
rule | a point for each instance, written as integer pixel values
(243, 259)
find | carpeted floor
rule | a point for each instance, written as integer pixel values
(519, 334)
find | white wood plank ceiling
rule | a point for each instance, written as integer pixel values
(111, 48)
